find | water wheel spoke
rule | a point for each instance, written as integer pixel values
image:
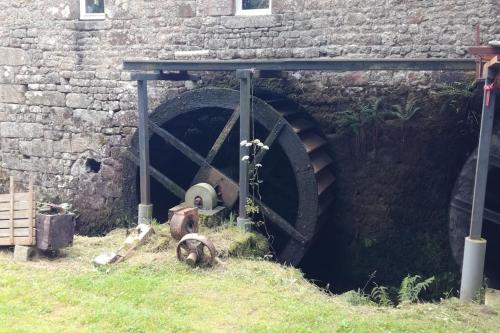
(178, 144)
(223, 135)
(272, 136)
(209, 173)
(161, 178)
(280, 222)
(466, 207)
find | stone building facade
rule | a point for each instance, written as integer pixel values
(68, 110)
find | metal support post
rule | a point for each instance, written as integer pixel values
(145, 208)
(245, 77)
(475, 246)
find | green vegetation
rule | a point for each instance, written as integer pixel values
(410, 289)
(152, 292)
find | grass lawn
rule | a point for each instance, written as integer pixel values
(152, 292)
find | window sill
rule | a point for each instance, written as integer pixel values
(92, 17)
(253, 12)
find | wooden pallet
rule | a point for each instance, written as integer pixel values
(17, 217)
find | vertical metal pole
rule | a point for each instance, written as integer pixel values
(475, 246)
(145, 208)
(245, 77)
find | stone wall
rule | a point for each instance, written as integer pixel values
(68, 111)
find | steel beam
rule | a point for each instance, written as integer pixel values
(475, 246)
(145, 209)
(178, 76)
(245, 77)
(483, 156)
(337, 64)
(142, 94)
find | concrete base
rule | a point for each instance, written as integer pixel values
(23, 253)
(492, 297)
(207, 217)
(212, 217)
(145, 214)
(472, 269)
(174, 209)
(244, 223)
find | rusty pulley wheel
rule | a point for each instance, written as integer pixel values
(183, 222)
(196, 250)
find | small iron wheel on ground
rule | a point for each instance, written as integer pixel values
(195, 250)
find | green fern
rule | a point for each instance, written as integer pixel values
(380, 295)
(411, 288)
(358, 297)
(457, 89)
(404, 112)
(348, 121)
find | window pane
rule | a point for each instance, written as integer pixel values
(255, 4)
(94, 6)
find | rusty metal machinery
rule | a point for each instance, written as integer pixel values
(196, 250)
(461, 205)
(183, 222)
(199, 131)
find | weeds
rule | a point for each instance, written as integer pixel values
(461, 97)
(409, 292)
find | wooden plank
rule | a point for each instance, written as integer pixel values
(20, 223)
(223, 135)
(18, 241)
(16, 214)
(18, 197)
(11, 213)
(18, 232)
(18, 205)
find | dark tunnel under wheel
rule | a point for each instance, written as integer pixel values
(461, 205)
(296, 173)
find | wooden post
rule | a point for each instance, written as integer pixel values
(31, 202)
(11, 210)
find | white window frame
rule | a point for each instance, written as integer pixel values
(241, 11)
(90, 16)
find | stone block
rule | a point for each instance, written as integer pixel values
(93, 117)
(139, 235)
(49, 98)
(37, 147)
(21, 130)
(23, 253)
(11, 56)
(216, 7)
(11, 93)
(105, 258)
(6, 74)
(76, 101)
(185, 10)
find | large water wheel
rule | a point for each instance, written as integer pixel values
(195, 138)
(461, 205)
